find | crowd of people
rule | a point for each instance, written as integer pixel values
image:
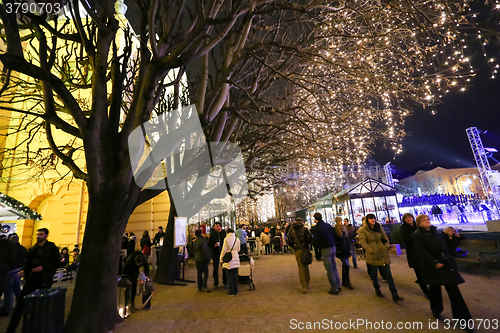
(429, 253)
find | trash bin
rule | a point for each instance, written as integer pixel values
(44, 311)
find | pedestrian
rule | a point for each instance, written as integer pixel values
(452, 240)
(317, 251)
(439, 269)
(231, 245)
(38, 270)
(266, 241)
(147, 289)
(215, 241)
(352, 234)
(324, 239)
(125, 241)
(242, 234)
(437, 212)
(146, 244)
(131, 243)
(201, 258)
(64, 257)
(131, 269)
(13, 287)
(343, 247)
(299, 238)
(7, 264)
(76, 261)
(373, 239)
(158, 242)
(408, 228)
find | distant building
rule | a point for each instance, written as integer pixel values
(441, 180)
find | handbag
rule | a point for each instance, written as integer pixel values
(228, 256)
(306, 258)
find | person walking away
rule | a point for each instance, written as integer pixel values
(146, 244)
(202, 258)
(324, 239)
(439, 269)
(131, 269)
(13, 287)
(299, 238)
(147, 289)
(242, 234)
(266, 241)
(373, 239)
(215, 241)
(408, 228)
(343, 247)
(41, 264)
(351, 233)
(231, 244)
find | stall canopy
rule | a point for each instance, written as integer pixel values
(11, 209)
(368, 196)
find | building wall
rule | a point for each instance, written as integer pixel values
(440, 180)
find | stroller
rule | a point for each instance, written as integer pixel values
(277, 244)
(245, 272)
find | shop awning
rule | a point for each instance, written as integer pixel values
(12, 209)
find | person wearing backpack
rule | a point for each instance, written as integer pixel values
(299, 238)
(231, 261)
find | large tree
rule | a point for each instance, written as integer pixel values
(285, 80)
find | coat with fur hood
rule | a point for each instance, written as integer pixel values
(302, 234)
(376, 244)
(229, 241)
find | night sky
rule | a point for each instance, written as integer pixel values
(441, 139)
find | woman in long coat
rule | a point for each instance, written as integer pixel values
(373, 239)
(299, 238)
(439, 269)
(231, 244)
(408, 228)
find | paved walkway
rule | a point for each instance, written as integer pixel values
(276, 304)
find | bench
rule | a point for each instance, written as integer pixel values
(479, 251)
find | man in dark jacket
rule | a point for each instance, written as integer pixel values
(38, 270)
(408, 228)
(299, 238)
(324, 239)
(13, 287)
(158, 241)
(131, 268)
(215, 242)
(7, 263)
(439, 269)
(202, 258)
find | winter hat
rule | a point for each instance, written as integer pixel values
(142, 277)
(420, 218)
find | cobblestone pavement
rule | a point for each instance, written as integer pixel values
(276, 304)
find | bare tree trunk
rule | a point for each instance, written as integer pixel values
(94, 307)
(168, 254)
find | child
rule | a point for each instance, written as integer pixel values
(148, 290)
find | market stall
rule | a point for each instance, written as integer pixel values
(365, 197)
